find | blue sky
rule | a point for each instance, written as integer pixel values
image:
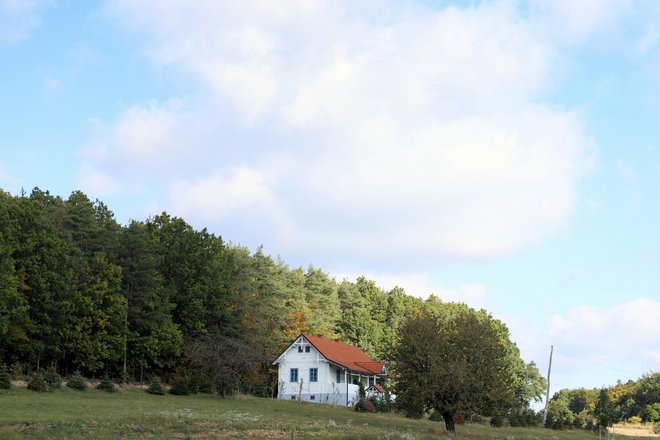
(504, 154)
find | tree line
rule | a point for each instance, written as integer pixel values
(81, 293)
(634, 401)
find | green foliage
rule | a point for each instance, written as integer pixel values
(51, 378)
(5, 378)
(560, 415)
(436, 416)
(604, 411)
(78, 290)
(497, 421)
(77, 382)
(652, 412)
(107, 385)
(453, 359)
(524, 418)
(365, 405)
(38, 384)
(656, 427)
(156, 386)
(181, 387)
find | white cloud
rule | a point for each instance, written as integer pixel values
(384, 135)
(423, 286)
(570, 21)
(18, 18)
(220, 194)
(145, 144)
(98, 182)
(5, 176)
(593, 346)
(610, 334)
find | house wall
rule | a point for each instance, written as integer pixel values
(324, 390)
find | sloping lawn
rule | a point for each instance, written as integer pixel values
(132, 414)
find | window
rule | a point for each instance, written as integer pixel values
(312, 397)
(293, 375)
(338, 376)
(307, 348)
(313, 374)
(371, 381)
(293, 397)
(300, 349)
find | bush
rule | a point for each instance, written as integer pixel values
(635, 420)
(436, 416)
(38, 384)
(652, 412)
(106, 385)
(5, 378)
(259, 391)
(77, 382)
(413, 413)
(527, 417)
(497, 421)
(382, 405)
(365, 405)
(156, 386)
(180, 387)
(656, 427)
(52, 378)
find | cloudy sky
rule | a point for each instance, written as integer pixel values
(501, 153)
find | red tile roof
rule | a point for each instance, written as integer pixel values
(348, 356)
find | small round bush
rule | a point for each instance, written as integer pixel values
(436, 416)
(77, 382)
(656, 427)
(52, 378)
(156, 386)
(5, 378)
(365, 405)
(106, 385)
(38, 384)
(180, 388)
(497, 421)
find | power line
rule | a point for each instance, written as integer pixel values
(595, 363)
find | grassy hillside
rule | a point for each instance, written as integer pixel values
(133, 413)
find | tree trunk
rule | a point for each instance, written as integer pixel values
(449, 422)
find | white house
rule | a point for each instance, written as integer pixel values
(315, 369)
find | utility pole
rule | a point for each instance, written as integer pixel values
(547, 393)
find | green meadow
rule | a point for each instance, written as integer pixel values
(134, 414)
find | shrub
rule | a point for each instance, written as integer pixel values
(635, 420)
(5, 378)
(52, 378)
(382, 405)
(652, 412)
(497, 421)
(38, 384)
(436, 416)
(180, 387)
(106, 385)
(156, 386)
(365, 405)
(259, 391)
(77, 382)
(656, 427)
(413, 413)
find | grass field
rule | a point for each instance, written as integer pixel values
(132, 414)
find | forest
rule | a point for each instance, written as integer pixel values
(80, 292)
